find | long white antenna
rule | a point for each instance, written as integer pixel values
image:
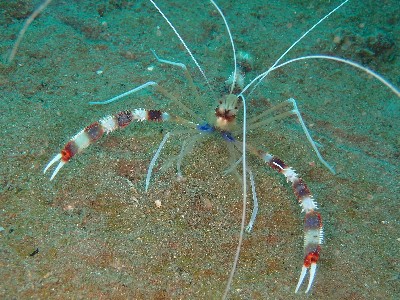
(260, 77)
(347, 62)
(242, 224)
(183, 42)
(233, 46)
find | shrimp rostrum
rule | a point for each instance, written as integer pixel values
(224, 124)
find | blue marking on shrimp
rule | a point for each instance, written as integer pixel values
(205, 127)
(227, 136)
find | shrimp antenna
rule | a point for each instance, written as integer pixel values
(233, 46)
(183, 43)
(242, 224)
(260, 77)
(25, 27)
(347, 62)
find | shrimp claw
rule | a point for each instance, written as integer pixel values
(96, 130)
(313, 231)
(313, 269)
(53, 161)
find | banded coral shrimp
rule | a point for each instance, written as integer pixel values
(184, 273)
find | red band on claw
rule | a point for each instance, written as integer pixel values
(312, 257)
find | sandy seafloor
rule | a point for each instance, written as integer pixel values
(99, 235)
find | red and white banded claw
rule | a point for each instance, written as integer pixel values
(90, 134)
